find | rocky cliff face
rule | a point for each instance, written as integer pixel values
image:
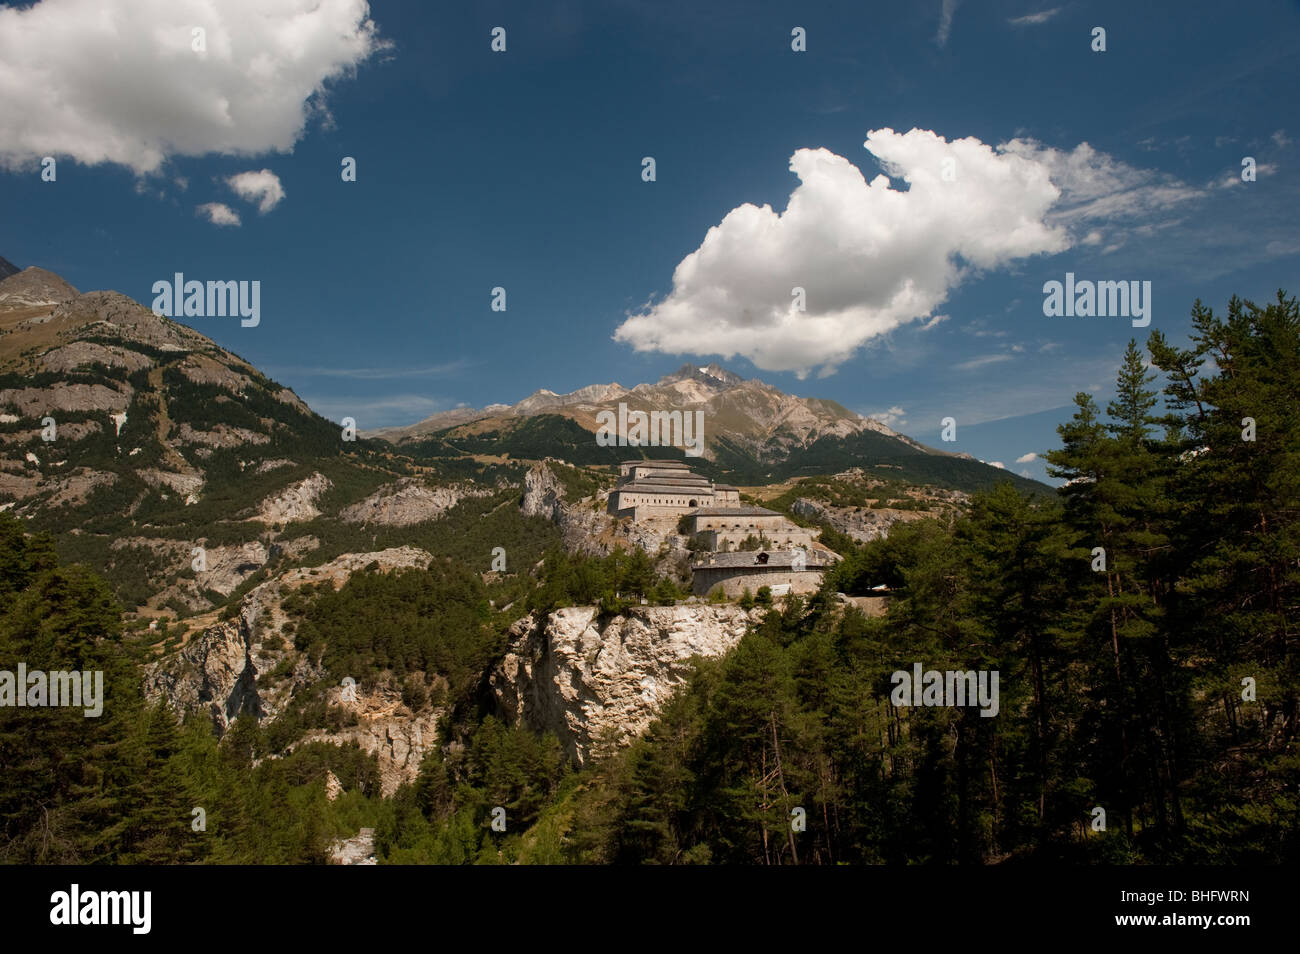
(409, 501)
(860, 523)
(295, 502)
(385, 728)
(585, 529)
(225, 672)
(586, 678)
(357, 850)
(213, 673)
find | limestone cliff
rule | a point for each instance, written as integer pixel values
(860, 523)
(409, 501)
(583, 677)
(245, 665)
(587, 528)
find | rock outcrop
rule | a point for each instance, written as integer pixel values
(34, 286)
(860, 523)
(585, 529)
(295, 502)
(38, 402)
(224, 671)
(409, 501)
(80, 354)
(588, 679)
(357, 850)
(385, 728)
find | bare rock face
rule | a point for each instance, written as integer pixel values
(333, 787)
(204, 370)
(583, 677)
(221, 435)
(585, 529)
(860, 523)
(184, 484)
(357, 850)
(270, 464)
(543, 494)
(77, 486)
(230, 566)
(38, 402)
(115, 315)
(385, 728)
(211, 673)
(34, 286)
(295, 502)
(408, 501)
(222, 670)
(80, 354)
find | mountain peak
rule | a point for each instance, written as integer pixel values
(33, 286)
(8, 268)
(711, 373)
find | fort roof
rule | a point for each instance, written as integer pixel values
(776, 559)
(682, 483)
(647, 487)
(676, 464)
(735, 512)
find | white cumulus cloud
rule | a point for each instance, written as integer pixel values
(218, 213)
(122, 82)
(871, 257)
(895, 417)
(1027, 458)
(262, 188)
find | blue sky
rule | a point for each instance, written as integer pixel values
(523, 169)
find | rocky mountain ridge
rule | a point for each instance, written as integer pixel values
(759, 418)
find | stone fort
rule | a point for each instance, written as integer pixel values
(665, 488)
(782, 555)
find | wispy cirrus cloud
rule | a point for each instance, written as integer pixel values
(982, 361)
(370, 374)
(1034, 19)
(946, 12)
(371, 412)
